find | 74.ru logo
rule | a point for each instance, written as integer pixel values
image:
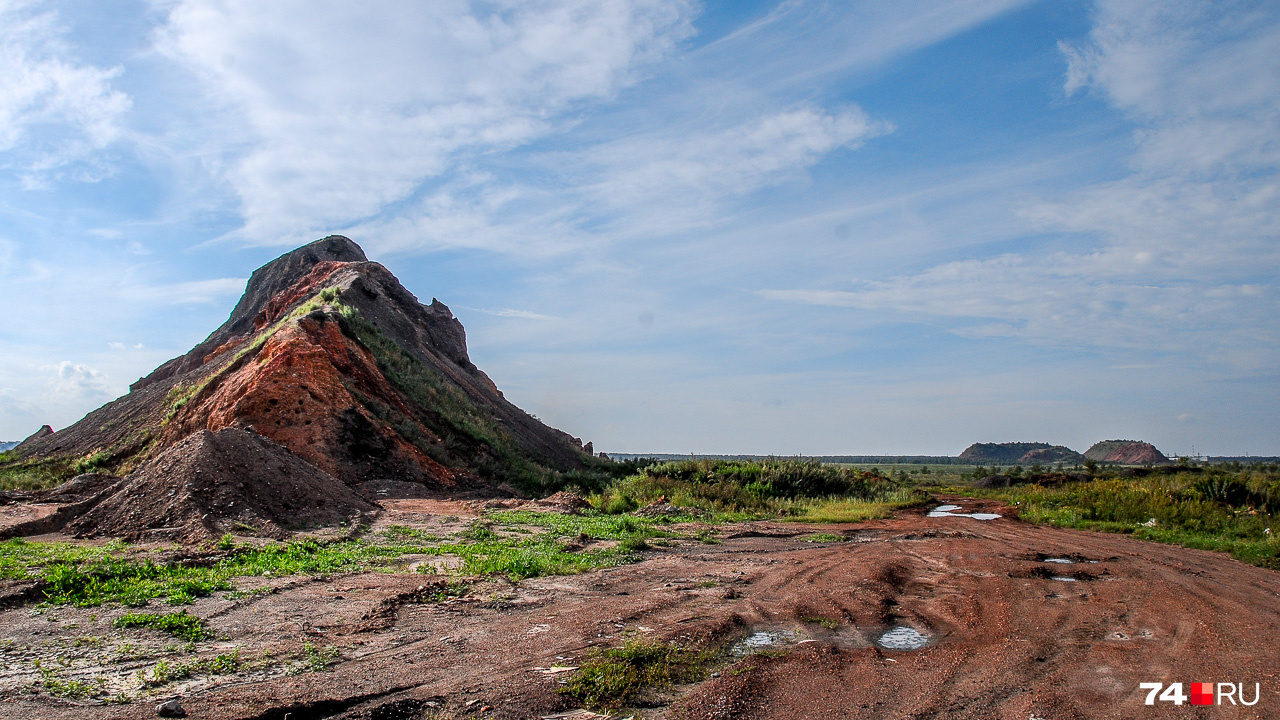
(1203, 693)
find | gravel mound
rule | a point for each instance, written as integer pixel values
(228, 481)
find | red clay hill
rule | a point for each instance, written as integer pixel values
(327, 358)
(1126, 452)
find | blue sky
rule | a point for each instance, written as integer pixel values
(677, 226)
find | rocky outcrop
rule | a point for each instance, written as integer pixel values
(328, 356)
(44, 432)
(1126, 452)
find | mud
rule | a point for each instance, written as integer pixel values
(1006, 640)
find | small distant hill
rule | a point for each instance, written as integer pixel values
(1126, 452)
(1000, 453)
(8, 445)
(1052, 456)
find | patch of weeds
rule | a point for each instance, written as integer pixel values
(707, 536)
(479, 532)
(634, 543)
(825, 538)
(36, 474)
(315, 659)
(612, 678)
(88, 641)
(403, 535)
(708, 584)
(179, 624)
(451, 589)
(1225, 509)
(51, 683)
(165, 672)
(846, 510)
(827, 623)
(240, 594)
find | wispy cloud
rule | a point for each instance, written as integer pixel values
(55, 110)
(192, 292)
(1173, 255)
(347, 110)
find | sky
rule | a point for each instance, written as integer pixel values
(671, 226)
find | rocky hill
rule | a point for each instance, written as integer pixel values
(329, 357)
(1126, 452)
(1000, 453)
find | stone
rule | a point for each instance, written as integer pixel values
(171, 709)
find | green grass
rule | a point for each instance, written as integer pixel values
(37, 474)
(179, 624)
(739, 490)
(849, 510)
(91, 575)
(165, 672)
(51, 683)
(523, 556)
(613, 678)
(1225, 511)
(825, 538)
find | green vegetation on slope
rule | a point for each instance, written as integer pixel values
(35, 474)
(470, 435)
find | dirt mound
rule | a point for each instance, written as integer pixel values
(562, 502)
(1052, 456)
(1000, 453)
(226, 481)
(328, 355)
(1126, 452)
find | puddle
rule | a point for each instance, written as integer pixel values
(1061, 578)
(1060, 561)
(950, 511)
(902, 638)
(761, 640)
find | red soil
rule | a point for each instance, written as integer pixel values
(1007, 642)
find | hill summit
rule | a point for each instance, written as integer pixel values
(330, 358)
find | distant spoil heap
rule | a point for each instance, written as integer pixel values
(330, 358)
(1126, 452)
(1000, 453)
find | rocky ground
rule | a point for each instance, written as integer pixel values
(1009, 630)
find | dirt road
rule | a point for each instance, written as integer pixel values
(1010, 631)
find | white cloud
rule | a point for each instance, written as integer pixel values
(192, 292)
(54, 110)
(698, 171)
(513, 313)
(76, 381)
(346, 111)
(1181, 253)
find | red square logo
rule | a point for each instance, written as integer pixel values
(1201, 693)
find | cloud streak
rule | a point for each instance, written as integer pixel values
(347, 111)
(55, 111)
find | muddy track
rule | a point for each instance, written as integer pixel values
(1007, 636)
